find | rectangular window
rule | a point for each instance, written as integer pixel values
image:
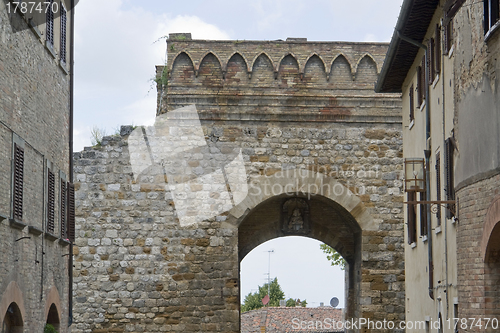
(449, 174)
(412, 105)
(423, 216)
(63, 204)
(49, 19)
(430, 62)
(421, 83)
(448, 37)
(63, 33)
(17, 200)
(71, 212)
(51, 199)
(412, 228)
(437, 50)
(491, 14)
(438, 187)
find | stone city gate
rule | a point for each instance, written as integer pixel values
(322, 158)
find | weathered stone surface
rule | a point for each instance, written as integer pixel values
(296, 140)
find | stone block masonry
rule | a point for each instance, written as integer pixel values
(336, 147)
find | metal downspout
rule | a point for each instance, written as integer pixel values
(71, 104)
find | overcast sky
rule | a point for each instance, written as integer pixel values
(119, 42)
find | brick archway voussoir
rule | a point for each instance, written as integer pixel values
(491, 220)
(291, 181)
(12, 294)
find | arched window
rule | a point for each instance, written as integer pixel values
(53, 317)
(13, 320)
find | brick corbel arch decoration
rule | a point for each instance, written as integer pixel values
(492, 219)
(52, 298)
(12, 294)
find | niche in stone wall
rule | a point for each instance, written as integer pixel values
(341, 71)
(236, 72)
(210, 71)
(182, 69)
(288, 73)
(367, 70)
(263, 71)
(314, 72)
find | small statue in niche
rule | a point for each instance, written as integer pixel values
(295, 216)
(296, 221)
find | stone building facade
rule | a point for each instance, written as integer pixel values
(478, 168)
(35, 169)
(470, 123)
(252, 141)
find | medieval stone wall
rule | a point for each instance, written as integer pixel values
(140, 268)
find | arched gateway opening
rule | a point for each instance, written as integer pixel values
(305, 203)
(313, 216)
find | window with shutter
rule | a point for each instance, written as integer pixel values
(412, 105)
(71, 212)
(412, 228)
(437, 50)
(51, 198)
(438, 187)
(64, 219)
(449, 186)
(423, 216)
(448, 37)
(49, 21)
(63, 33)
(18, 183)
(430, 62)
(420, 83)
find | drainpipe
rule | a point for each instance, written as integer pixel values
(71, 103)
(427, 153)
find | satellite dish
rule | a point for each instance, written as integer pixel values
(334, 302)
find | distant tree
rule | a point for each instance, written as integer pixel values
(332, 255)
(254, 301)
(293, 303)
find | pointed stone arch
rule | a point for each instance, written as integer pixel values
(13, 301)
(210, 70)
(242, 56)
(288, 71)
(183, 68)
(236, 69)
(366, 69)
(340, 70)
(185, 53)
(315, 70)
(263, 70)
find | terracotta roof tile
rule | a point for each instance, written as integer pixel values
(288, 320)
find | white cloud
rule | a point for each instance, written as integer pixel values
(115, 61)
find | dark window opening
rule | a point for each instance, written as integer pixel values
(421, 83)
(448, 37)
(423, 216)
(13, 320)
(438, 187)
(491, 14)
(17, 202)
(62, 53)
(412, 228)
(64, 219)
(449, 174)
(412, 105)
(49, 19)
(51, 198)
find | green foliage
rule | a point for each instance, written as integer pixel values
(293, 303)
(163, 78)
(49, 329)
(254, 301)
(332, 255)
